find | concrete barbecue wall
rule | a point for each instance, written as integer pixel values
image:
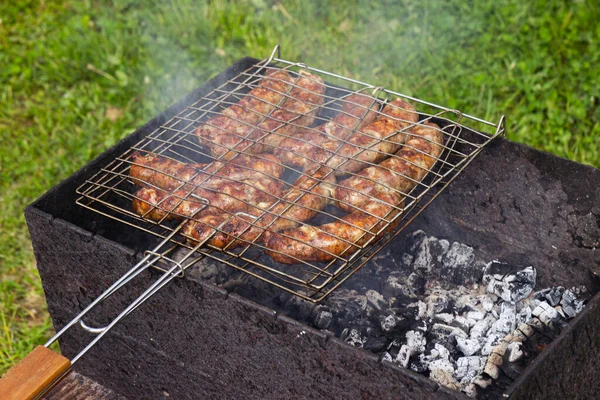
(194, 340)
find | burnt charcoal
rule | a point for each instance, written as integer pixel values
(458, 267)
(469, 367)
(546, 314)
(468, 346)
(442, 371)
(403, 356)
(322, 317)
(417, 283)
(570, 305)
(448, 341)
(487, 301)
(416, 341)
(460, 323)
(393, 323)
(509, 282)
(447, 330)
(353, 337)
(428, 252)
(375, 300)
(419, 365)
(376, 344)
(444, 318)
(387, 357)
(393, 285)
(436, 304)
(554, 296)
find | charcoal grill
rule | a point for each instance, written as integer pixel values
(140, 235)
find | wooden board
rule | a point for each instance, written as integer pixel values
(33, 375)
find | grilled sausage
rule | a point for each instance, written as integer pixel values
(168, 174)
(250, 128)
(308, 204)
(371, 211)
(376, 141)
(222, 195)
(316, 145)
(310, 194)
(225, 131)
(296, 112)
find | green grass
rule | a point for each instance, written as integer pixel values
(75, 77)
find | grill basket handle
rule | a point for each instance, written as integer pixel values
(34, 375)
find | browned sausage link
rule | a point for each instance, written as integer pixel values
(154, 170)
(168, 174)
(300, 203)
(377, 140)
(394, 175)
(325, 242)
(222, 195)
(297, 112)
(223, 132)
(310, 145)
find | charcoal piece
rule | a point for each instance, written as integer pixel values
(509, 282)
(442, 372)
(403, 356)
(428, 252)
(387, 357)
(436, 304)
(515, 352)
(490, 343)
(524, 315)
(416, 284)
(447, 330)
(460, 322)
(444, 318)
(375, 300)
(442, 338)
(554, 295)
(570, 304)
(469, 367)
(468, 346)
(546, 314)
(393, 285)
(416, 341)
(390, 322)
(458, 267)
(354, 338)
(419, 365)
(507, 320)
(322, 317)
(482, 327)
(376, 344)
(487, 301)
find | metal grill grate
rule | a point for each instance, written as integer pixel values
(112, 190)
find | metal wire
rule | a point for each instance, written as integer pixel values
(111, 190)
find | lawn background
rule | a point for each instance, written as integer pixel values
(75, 77)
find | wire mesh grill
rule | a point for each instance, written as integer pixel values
(198, 182)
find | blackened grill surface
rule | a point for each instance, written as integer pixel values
(194, 340)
